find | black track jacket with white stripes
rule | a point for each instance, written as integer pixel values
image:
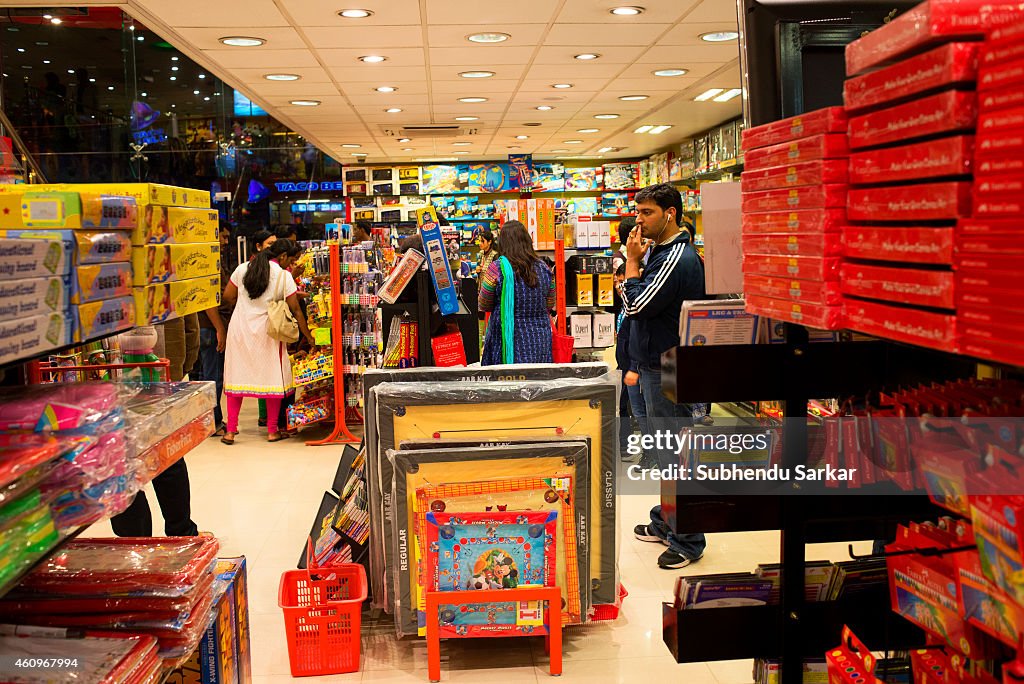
(673, 274)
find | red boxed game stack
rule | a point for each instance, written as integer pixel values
(990, 246)
(912, 142)
(794, 207)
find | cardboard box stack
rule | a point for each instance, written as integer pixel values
(794, 207)
(65, 267)
(990, 245)
(538, 215)
(913, 109)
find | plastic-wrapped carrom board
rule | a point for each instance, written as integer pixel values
(516, 410)
(380, 492)
(523, 476)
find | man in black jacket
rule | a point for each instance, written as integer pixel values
(673, 274)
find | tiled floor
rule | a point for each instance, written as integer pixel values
(259, 499)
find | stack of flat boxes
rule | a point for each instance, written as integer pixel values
(990, 246)
(794, 207)
(913, 109)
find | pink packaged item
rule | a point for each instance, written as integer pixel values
(107, 458)
(46, 408)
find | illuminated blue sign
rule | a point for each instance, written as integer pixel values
(326, 186)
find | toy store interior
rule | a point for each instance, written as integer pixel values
(339, 341)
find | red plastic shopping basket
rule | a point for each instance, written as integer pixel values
(322, 616)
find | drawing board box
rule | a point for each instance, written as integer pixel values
(33, 208)
(101, 281)
(718, 321)
(164, 263)
(96, 319)
(144, 193)
(463, 476)
(24, 298)
(164, 301)
(379, 487)
(25, 337)
(582, 409)
(34, 254)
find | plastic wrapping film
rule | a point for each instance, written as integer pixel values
(566, 407)
(102, 658)
(156, 410)
(47, 408)
(379, 490)
(457, 476)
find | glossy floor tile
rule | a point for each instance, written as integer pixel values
(260, 499)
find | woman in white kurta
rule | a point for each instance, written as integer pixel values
(255, 364)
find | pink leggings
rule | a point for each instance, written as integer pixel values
(235, 406)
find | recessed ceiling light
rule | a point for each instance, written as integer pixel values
(282, 77)
(606, 116)
(488, 37)
(174, 68)
(658, 130)
(462, 143)
(461, 152)
(21, 49)
(92, 80)
(144, 94)
(404, 140)
(586, 56)
(719, 36)
(195, 92)
(305, 103)
(670, 72)
(476, 74)
(633, 98)
(407, 149)
(47, 16)
(393, 110)
(174, 59)
(56, 21)
(562, 85)
(522, 137)
(572, 142)
(110, 87)
(358, 154)
(386, 89)
(643, 129)
(559, 150)
(355, 13)
(206, 99)
(242, 41)
(173, 78)
(202, 75)
(46, 61)
(373, 59)
(627, 11)
(728, 95)
(544, 108)
(588, 130)
(467, 118)
(351, 146)
(141, 38)
(472, 100)
(606, 149)
(708, 94)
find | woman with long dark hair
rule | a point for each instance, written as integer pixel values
(519, 289)
(255, 364)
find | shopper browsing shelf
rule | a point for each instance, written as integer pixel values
(257, 365)
(673, 274)
(487, 252)
(519, 289)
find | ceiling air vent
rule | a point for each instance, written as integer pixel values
(429, 131)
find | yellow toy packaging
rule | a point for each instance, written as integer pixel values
(165, 263)
(176, 225)
(162, 302)
(102, 281)
(97, 319)
(144, 193)
(66, 209)
(97, 247)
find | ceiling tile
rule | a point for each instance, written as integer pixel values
(575, 35)
(377, 75)
(474, 58)
(496, 16)
(689, 33)
(651, 84)
(271, 60)
(692, 54)
(295, 90)
(713, 10)
(466, 87)
(203, 13)
(523, 35)
(610, 54)
(585, 84)
(655, 11)
(572, 72)
(385, 13)
(277, 37)
(376, 38)
(553, 97)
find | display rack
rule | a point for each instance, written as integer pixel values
(796, 371)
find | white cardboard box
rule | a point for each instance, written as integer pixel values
(603, 327)
(582, 329)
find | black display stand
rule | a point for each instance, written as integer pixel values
(795, 372)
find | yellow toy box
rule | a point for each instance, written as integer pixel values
(102, 281)
(97, 319)
(164, 263)
(66, 210)
(164, 301)
(144, 193)
(176, 225)
(26, 337)
(98, 247)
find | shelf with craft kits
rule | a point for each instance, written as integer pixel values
(310, 411)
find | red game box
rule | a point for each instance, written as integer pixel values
(827, 120)
(821, 171)
(1008, 144)
(1000, 98)
(999, 207)
(932, 159)
(988, 227)
(999, 166)
(1002, 50)
(929, 23)
(793, 199)
(795, 244)
(914, 286)
(803, 221)
(990, 317)
(1001, 75)
(944, 66)
(826, 146)
(812, 315)
(926, 202)
(990, 350)
(946, 112)
(999, 121)
(810, 291)
(985, 297)
(974, 279)
(921, 245)
(803, 268)
(916, 326)
(989, 245)
(992, 187)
